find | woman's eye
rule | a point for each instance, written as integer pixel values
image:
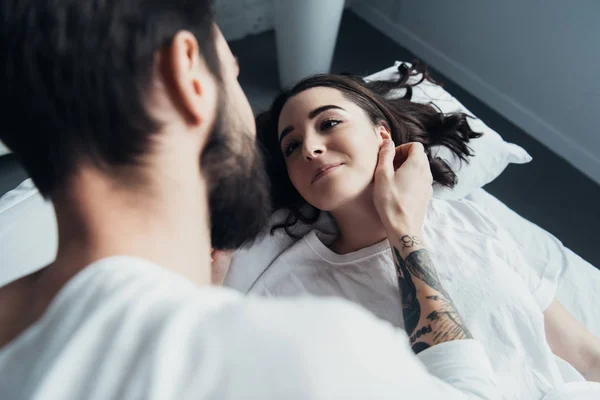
(289, 149)
(330, 123)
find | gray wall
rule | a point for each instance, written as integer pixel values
(536, 62)
(239, 18)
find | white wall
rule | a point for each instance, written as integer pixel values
(238, 18)
(537, 62)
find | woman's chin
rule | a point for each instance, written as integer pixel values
(337, 194)
(332, 203)
(327, 207)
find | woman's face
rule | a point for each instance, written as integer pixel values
(330, 147)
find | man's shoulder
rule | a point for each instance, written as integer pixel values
(135, 325)
(305, 340)
(219, 329)
(307, 325)
(147, 298)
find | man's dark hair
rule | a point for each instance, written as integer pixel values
(74, 75)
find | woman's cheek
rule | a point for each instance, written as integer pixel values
(297, 178)
(365, 155)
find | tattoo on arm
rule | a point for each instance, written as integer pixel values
(421, 332)
(419, 347)
(444, 323)
(410, 241)
(450, 325)
(419, 265)
(411, 309)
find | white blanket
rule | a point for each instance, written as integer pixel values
(579, 281)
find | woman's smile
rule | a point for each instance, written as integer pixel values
(325, 170)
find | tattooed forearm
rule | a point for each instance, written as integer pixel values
(449, 324)
(410, 241)
(419, 265)
(442, 322)
(419, 347)
(421, 332)
(411, 309)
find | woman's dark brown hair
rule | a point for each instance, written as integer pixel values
(408, 122)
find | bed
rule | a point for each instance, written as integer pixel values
(28, 233)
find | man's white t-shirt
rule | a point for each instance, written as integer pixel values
(124, 328)
(499, 297)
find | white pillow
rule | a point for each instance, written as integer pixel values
(3, 149)
(28, 232)
(491, 153)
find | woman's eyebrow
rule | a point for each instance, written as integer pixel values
(319, 110)
(285, 132)
(311, 115)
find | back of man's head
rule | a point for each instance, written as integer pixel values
(77, 77)
(76, 73)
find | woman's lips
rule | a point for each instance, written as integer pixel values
(326, 170)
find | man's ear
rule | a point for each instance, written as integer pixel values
(193, 87)
(383, 131)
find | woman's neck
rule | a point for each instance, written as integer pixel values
(359, 225)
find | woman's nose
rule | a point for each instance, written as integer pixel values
(312, 150)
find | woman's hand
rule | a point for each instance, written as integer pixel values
(403, 187)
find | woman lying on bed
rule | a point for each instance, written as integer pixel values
(321, 140)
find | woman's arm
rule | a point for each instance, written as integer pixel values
(430, 316)
(572, 342)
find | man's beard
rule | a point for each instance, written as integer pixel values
(238, 186)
